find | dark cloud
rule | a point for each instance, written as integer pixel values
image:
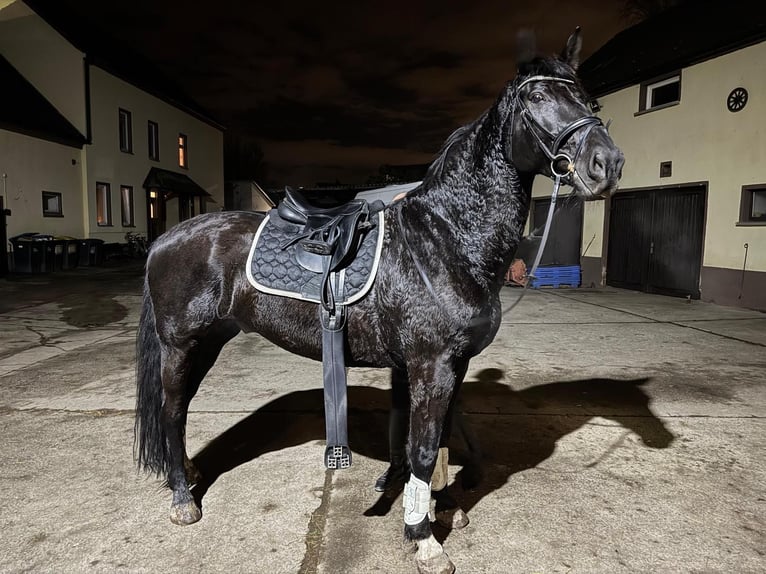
(334, 90)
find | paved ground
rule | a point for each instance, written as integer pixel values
(620, 432)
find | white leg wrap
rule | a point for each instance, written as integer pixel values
(441, 470)
(416, 501)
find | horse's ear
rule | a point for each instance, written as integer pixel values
(526, 47)
(571, 53)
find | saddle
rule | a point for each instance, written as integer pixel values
(328, 256)
(330, 237)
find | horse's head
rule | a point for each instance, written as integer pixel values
(552, 130)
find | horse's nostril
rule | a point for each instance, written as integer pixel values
(597, 167)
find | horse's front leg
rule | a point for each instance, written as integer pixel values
(432, 386)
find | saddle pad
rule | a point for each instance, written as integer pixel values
(275, 270)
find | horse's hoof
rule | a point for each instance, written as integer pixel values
(452, 518)
(185, 514)
(440, 564)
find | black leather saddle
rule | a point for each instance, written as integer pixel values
(330, 237)
(328, 256)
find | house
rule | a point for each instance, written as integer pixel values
(686, 93)
(94, 142)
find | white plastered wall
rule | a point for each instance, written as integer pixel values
(29, 166)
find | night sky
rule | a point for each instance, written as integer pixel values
(333, 90)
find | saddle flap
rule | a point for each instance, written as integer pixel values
(313, 262)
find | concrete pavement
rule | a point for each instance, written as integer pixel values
(619, 432)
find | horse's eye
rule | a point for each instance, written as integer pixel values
(536, 97)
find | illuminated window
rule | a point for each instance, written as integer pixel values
(752, 204)
(52, 204)
(153, 131)
(183, 151)
(126, 204)
(660, 93)
(103, 204)
(126, 131)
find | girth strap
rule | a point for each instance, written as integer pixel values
(337, 453)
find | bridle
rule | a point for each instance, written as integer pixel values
(553, 153)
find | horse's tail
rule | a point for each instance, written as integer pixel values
(149, 440)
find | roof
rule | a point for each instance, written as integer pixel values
(692, 32)
(105, 52)
(174, 182)
(25, 110)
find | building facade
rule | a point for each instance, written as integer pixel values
(146, 156)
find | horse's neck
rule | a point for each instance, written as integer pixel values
(482, 204)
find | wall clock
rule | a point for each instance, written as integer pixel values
(737, 99)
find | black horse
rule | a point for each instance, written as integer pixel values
(435, 302)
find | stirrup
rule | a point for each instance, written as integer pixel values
(337, 456)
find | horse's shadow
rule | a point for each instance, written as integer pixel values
(518, 429)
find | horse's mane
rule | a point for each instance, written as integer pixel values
(539, 66)
(436, 168)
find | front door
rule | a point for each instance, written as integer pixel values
(655, 240)
(155, 207)
(565, 235)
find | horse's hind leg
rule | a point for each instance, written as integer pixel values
(182, 372)
(447, 512)
(396, 472)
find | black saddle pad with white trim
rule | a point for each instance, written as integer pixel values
(274, 269)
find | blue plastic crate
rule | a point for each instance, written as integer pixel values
(568, 276)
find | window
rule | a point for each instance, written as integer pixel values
(126, 205)
(183, 152)
(103, 204)
(52, 204)
(126, 131)
(153, 131)
(752, 205)
(660, 93)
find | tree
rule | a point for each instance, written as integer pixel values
(637, 10)
(243, 158)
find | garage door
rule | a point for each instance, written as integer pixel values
(655, 240)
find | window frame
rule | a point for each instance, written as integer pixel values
(647, 89)
(131, 211)
(746, 205)
(153, 140)
(107, 188)
(47, 195)
(125, 130)
(183, 150)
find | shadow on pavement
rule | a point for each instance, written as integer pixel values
(527, 425)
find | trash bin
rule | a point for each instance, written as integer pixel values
(70, 251)
(55, 254)
(30, 253)
(91, 252)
